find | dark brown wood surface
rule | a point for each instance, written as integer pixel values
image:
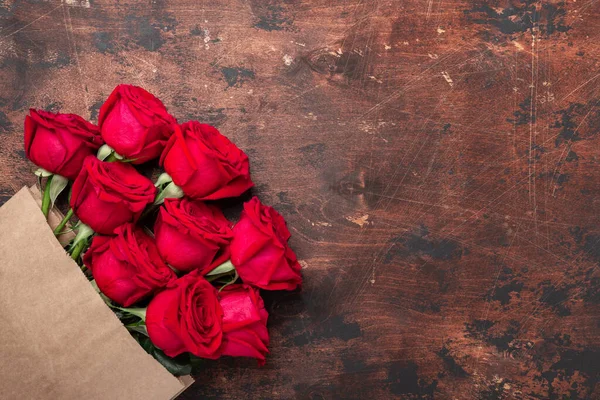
(438, 163)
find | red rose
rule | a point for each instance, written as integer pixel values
(205, 164)
(127, 267)
(186, 317)
(259, 249)
(135, 123)
(192, 235)
(59, 142)
(108, 194)
(245, 331)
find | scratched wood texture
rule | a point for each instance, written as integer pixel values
(437, 162)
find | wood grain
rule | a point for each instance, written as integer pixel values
(437, 162)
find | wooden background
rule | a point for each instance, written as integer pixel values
(437, 162)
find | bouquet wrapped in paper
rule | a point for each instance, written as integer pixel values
(140, 270)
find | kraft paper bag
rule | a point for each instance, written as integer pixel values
(58, 340)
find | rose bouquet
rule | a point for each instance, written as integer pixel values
(179, 275)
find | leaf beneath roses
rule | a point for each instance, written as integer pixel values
(171, 191)
(145, 343)
(197, 363)
(57, 185)
(163, 179)
(139, 327)
(104, 151)
(177, 366)
(222, 269)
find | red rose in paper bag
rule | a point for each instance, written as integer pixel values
(245, 331)
(186, 317)
(127, 267)
(259, 249)
(59, 142)
(135, 123)
(108, 194)
(205, 164)
(192, 235)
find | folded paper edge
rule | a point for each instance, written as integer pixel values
(186, 381)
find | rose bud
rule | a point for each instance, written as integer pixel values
(127, 266)
(259, 249)
(205, 164)
(135, 123)
(59, 142)
(186, 317)
(192, 235)
(108, 194)
(245, 331)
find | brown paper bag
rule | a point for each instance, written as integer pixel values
(58, 340)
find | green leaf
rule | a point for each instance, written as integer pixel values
(46, 197)
(146, 344)
(83, 233)
(122, 311)
(104, 151)
(224, 268)
(148, 231)
(42, 173)
(81, 241)
(196, 361)
(232, 281)
(177, 366)
(57, 185)
(139, 327)
(163, 179)
(138, 312)
(171, 191)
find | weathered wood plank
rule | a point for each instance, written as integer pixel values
(437, 163)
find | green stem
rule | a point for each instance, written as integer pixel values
(81, 240)
(46, 197)
(59, 228)
(78, 249)
(235, 277)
